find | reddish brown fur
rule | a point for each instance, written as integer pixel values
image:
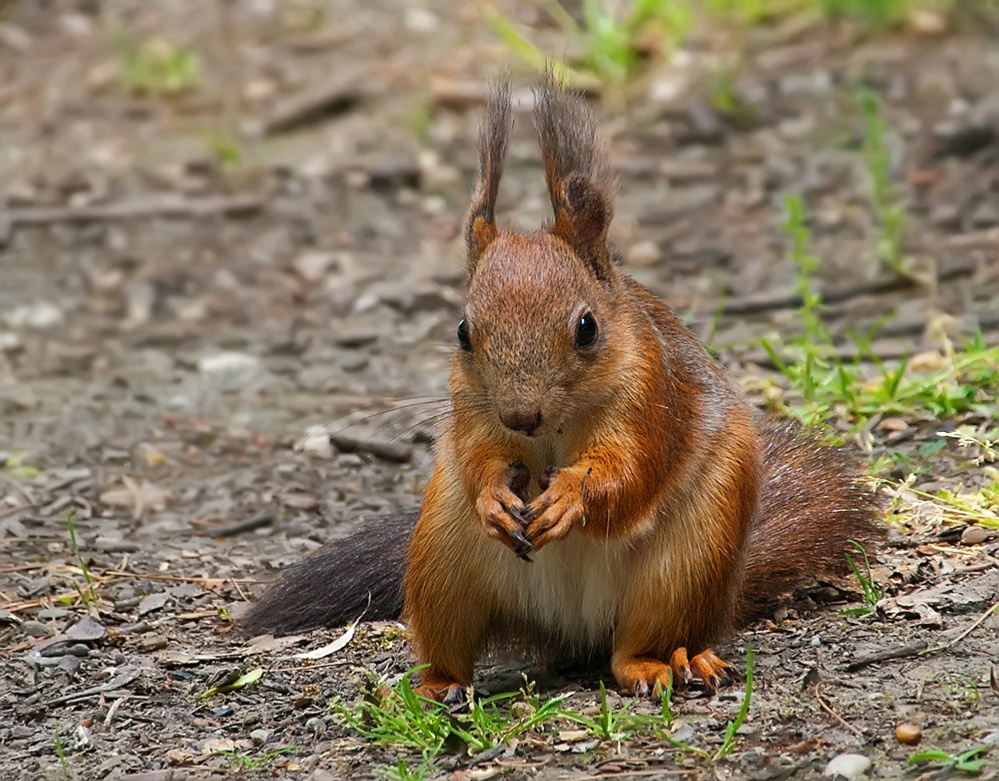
(653, 444)
(659, 511)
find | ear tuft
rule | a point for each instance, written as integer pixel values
(494, 135)
(577, 173)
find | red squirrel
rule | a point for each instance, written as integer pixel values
(600, 484)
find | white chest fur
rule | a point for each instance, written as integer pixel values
(573, 588)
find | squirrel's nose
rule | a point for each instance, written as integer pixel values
(525, 421)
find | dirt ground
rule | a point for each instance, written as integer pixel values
(191, 283)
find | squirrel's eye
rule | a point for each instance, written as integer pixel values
(586, 330)
(463, 339)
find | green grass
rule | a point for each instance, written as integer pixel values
(401, 771)
(728, 743)
(968, 762)
(609, 724)
(873, 593)
(88, 594)
(156, 67)
(400, 718)
(403, 718)
(615, 42)
(941, 385)
(241, 761)
(884, 195)
(64, 769)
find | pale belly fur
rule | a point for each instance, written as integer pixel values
(573, 588)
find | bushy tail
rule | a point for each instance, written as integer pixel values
(331, 587)
(813, 501)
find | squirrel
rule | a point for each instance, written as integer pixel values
(601, 486)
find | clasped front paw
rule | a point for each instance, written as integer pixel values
(553, 514)
(504, 518)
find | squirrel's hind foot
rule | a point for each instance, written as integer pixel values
(452, 695)
(646, 676)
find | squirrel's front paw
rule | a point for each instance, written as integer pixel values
(503, 517)
(555, 512)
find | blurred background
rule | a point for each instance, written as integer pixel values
(225, 223)
(230, 274)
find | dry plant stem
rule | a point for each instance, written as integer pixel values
(828, 709)
(978, 622)
(920, 649)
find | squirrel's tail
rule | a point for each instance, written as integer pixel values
(813, 501)
(333, 586)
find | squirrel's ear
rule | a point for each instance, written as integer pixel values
(579, 181)
(494, 133)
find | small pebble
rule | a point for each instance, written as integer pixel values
(316, 726)
(259, 736)
(317, 443)
(909, 734)
(230, 371)
(37, 629)
(848, 766)
(69, 665)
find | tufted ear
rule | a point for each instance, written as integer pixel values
(576, 171)
(494, 134)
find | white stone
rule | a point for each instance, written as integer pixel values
(230, 371)
(38, 315)
(317, 442)
(848, 766)
(312, 265)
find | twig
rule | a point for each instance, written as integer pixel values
(21, 568)
(25, 493)
(246, 525)
(886, 284)
(919, 649)
(883, 656)
(986, 238)
(627, 773)
(386, 451)
(321, 103)
(828, 709)
(978, 622)
(123, 679)
(301, 667)
(136, 208)
(14, 607)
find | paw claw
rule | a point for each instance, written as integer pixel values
(456, 695)
(450, 694)
(712, 671)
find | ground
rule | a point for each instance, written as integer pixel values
(204, 260)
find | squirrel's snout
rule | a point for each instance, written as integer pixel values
(524, 420)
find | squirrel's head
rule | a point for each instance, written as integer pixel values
(539, 334)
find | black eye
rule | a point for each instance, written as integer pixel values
(464, 342)
(586, 330)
